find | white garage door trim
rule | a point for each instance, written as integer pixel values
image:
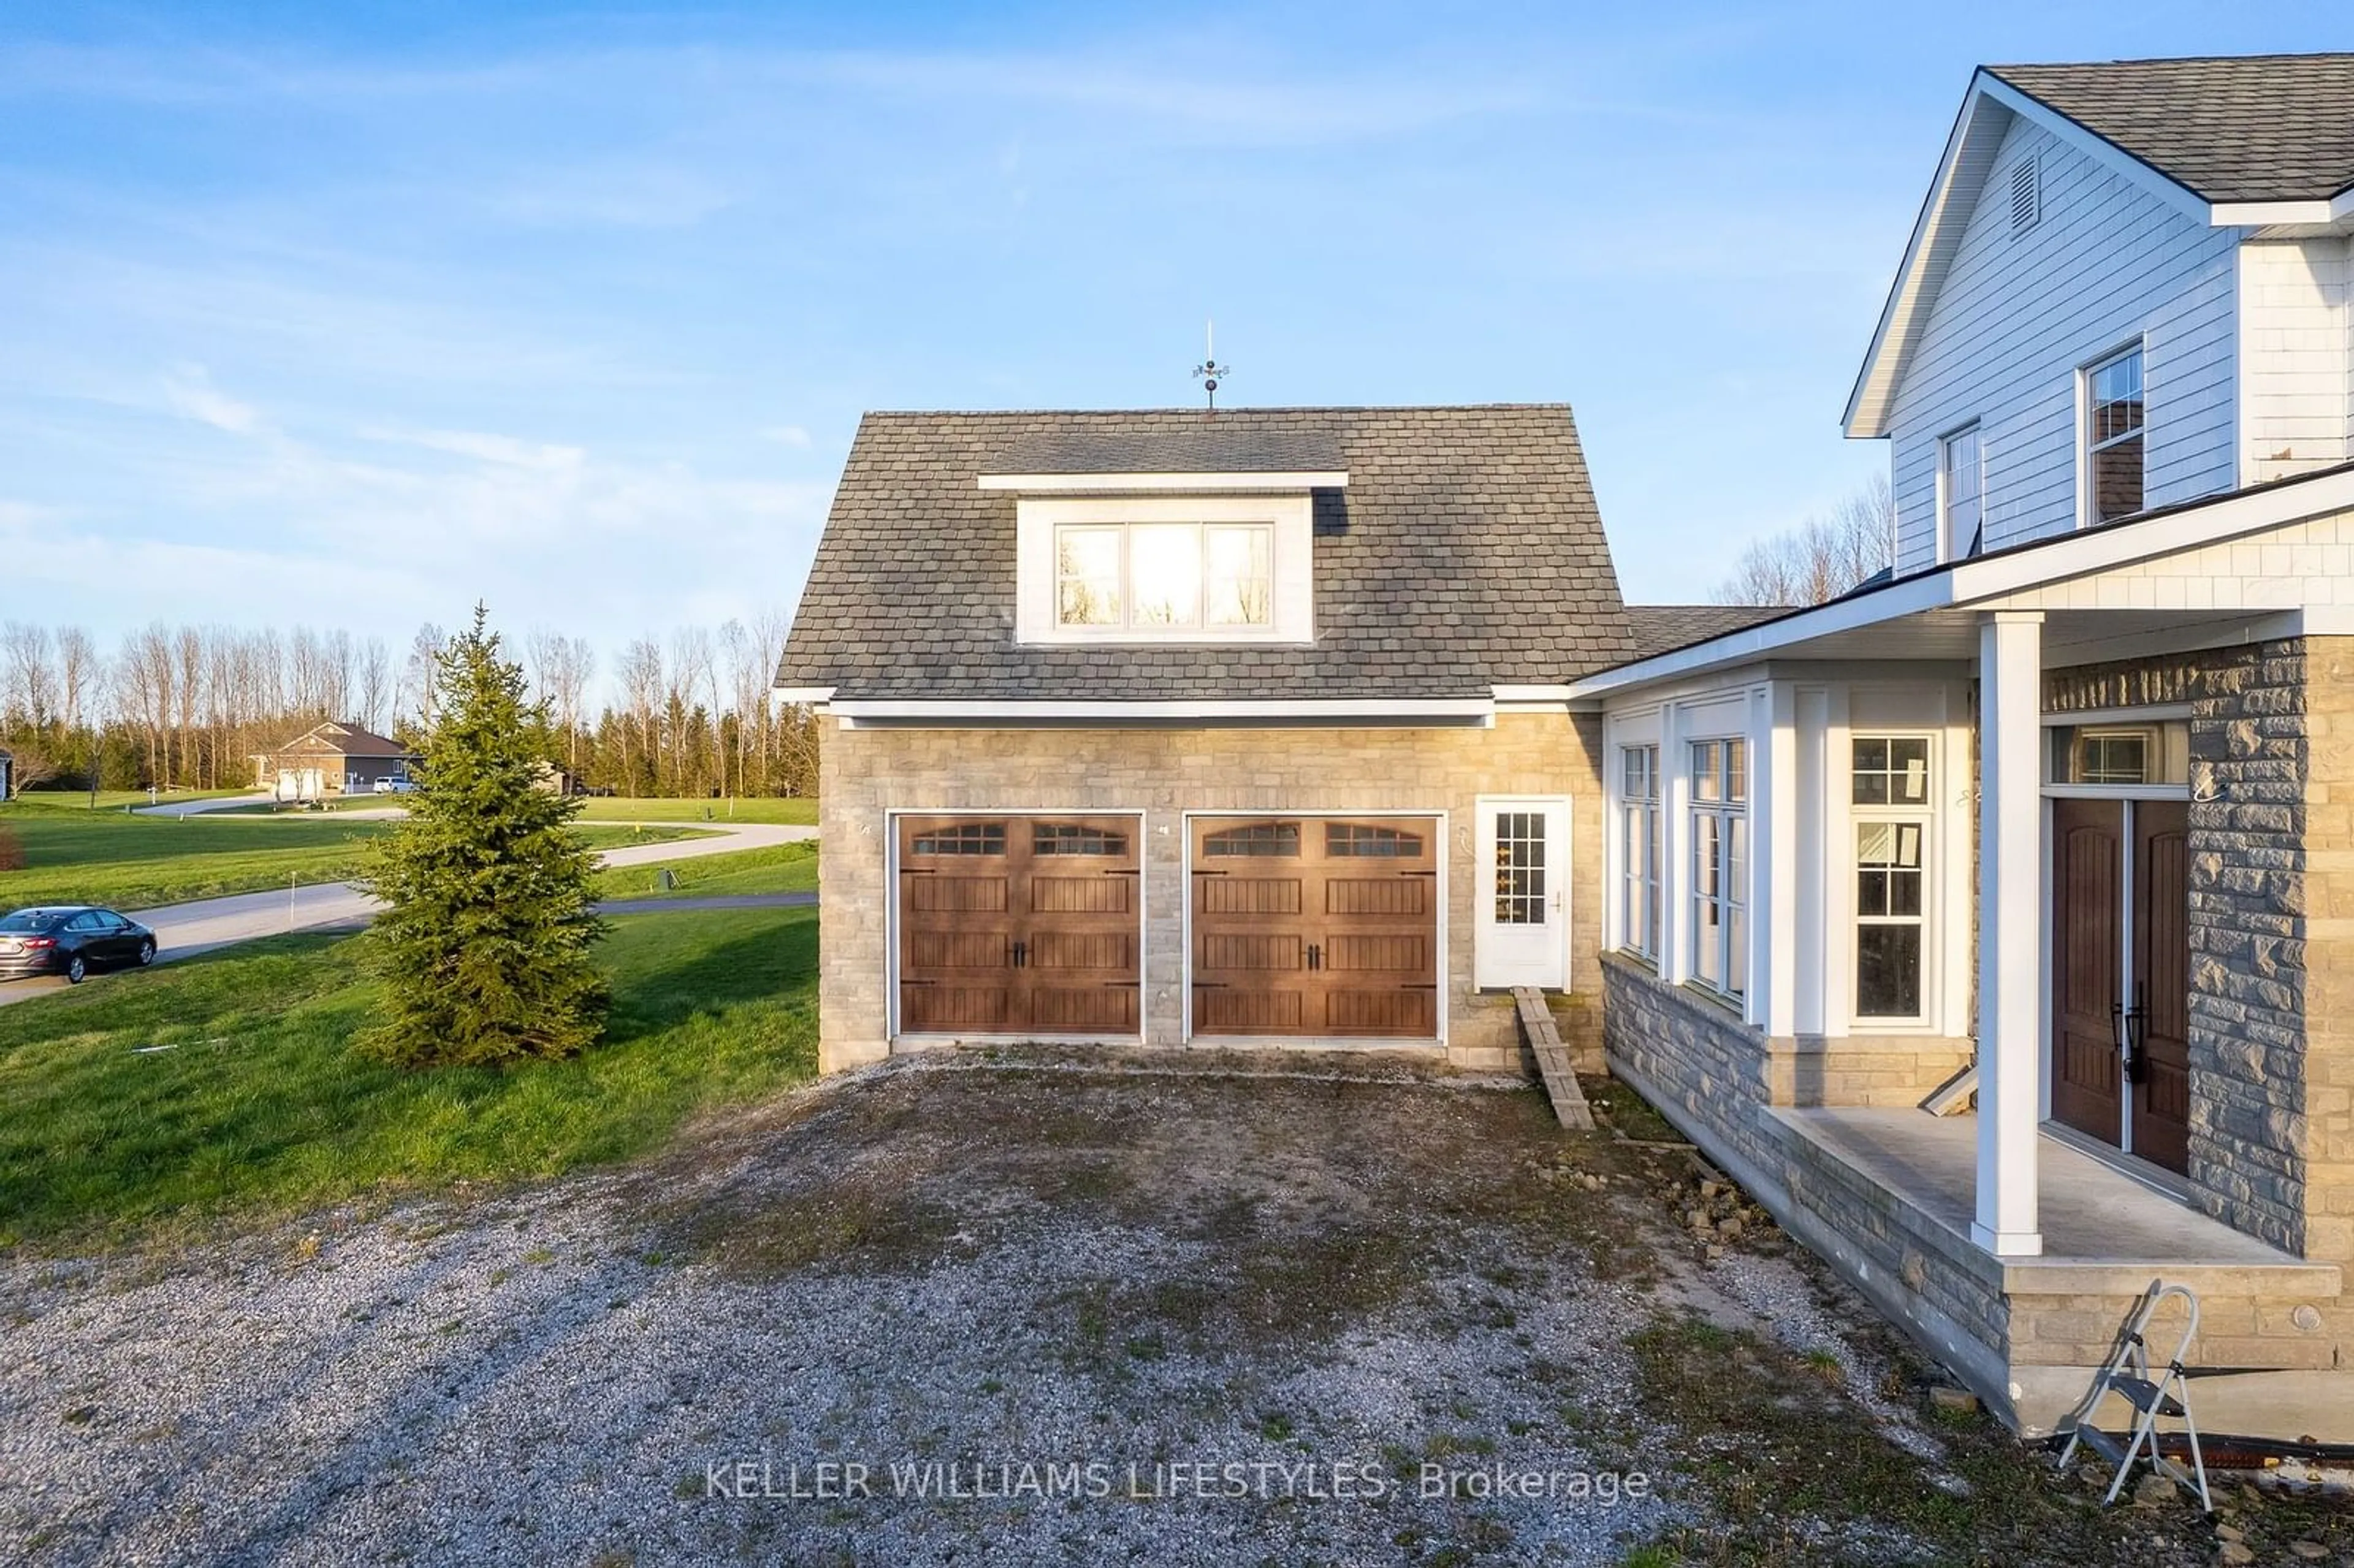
(891, 921)
(1185, 926)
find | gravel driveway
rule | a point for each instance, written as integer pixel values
(1077, 1290)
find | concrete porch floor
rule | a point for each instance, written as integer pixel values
(2091, 1213)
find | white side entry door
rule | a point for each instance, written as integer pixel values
(1520, 899)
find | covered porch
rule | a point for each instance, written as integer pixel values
(2064, 812)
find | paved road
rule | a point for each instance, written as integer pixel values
(181, 929)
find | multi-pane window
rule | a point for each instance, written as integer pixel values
(1720, 881)
(2113, 437)
(1961, 489)
(1891, 794)
(1273, 839)
(968, 838)
(1347, 841)
(1639, 849)
(1157, 576)
(1074, 838)
(1520, 868)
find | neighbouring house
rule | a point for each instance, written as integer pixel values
(330, 759)
(1328, 725)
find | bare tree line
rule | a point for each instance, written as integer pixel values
(1822, 558)
(190, 707)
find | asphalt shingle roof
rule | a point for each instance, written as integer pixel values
(1660, 628)
(2251, 128)
(1464, 552)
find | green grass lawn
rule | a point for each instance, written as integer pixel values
(749, 809)
(78, 856)
(255, 1105)
(782, 868)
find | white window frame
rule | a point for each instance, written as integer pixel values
(1731, 902)
(1128, 627)
(1924, 816)
(1037, 517)
(2087, 503)
(1950, 543)
(1642, 848)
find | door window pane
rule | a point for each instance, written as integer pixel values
(1520, 868)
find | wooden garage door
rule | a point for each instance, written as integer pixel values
(1014, 924)
(1315, 925)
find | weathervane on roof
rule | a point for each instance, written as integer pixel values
(1210, 372)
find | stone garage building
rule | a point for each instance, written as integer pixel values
(1164, 727)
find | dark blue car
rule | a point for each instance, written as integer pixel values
(70, 940)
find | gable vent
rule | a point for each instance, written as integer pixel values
(2026, 197)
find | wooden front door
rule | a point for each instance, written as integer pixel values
(2087, 959)
(2120, 1009)
(2161, 983)
(1013, 925)
(1316, 927)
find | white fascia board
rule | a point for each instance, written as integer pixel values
(1556, 692)
(1930, 590)
(1450, 710)
(1255, 483)
(802, 694)
(1904, 288)
(2274, 214)
(2103, 549)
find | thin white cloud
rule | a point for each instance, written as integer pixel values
(190, 392)
(786, 435)
(508, 451)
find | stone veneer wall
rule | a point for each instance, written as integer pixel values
(2271, 930)
(1720, 1081)
(864, 771)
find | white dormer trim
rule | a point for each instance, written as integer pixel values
(1290, 481)
(1291, 516)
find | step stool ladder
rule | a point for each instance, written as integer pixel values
(2167, 1395)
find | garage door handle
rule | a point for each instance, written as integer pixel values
(1315, 957)
(1021, 955)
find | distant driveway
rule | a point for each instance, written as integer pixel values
(181, 929)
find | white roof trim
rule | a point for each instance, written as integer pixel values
(1258, 484)
(802, 694)
(1456, 710)
(1986, 114)
(1985, 582)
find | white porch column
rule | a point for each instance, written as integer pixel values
(2010, 852)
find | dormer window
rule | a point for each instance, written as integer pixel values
(1165, 557)
(1157, 576)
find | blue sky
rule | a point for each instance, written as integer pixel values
(350, 315)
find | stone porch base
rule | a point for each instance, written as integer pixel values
(1887, 1197)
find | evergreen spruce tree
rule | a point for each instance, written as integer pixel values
(483, 948)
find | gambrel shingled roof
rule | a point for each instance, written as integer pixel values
(1464, 552)
(2253, 128)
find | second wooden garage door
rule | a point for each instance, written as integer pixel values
(1018, 926)
(1315, 925)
